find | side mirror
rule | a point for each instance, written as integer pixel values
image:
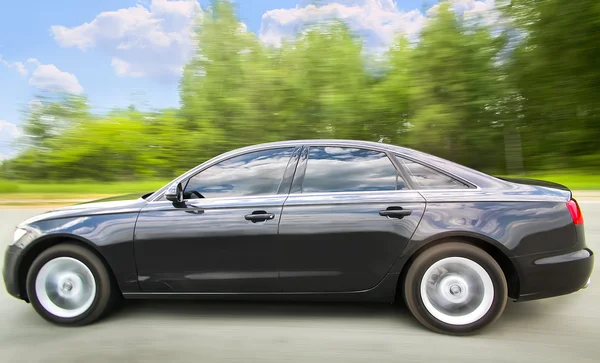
(175, 193)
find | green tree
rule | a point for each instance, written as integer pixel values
(462, 91)
(390, 101)
(455, 78)
(325, 79)
(213, 94)
(555, 68)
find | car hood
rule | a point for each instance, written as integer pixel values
(128, 203)
(123, 197)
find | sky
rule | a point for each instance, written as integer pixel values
(122, 52)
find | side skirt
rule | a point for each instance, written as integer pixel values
(385, 291)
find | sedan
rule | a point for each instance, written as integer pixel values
(333, 220)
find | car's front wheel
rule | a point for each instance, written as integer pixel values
(455, 288)
(68, 284)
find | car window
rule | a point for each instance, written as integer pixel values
(428, 178)
(255, 173)
(344, 169)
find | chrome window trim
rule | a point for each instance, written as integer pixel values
(403, 191)
(315, 194)
(228, 202)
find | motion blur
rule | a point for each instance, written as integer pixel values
(509, 91)
(508, 87)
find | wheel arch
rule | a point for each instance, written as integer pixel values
(509, 269)
(43, 243)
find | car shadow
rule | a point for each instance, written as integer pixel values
(259, 309)
(521, 314)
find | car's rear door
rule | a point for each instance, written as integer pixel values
(348, 218)
(222, 239)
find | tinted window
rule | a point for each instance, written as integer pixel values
(256, 173)
(341, 169)
(428, 178)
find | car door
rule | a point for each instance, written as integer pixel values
(348, 218)
(222, 238)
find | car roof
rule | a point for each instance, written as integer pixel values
(345, 142)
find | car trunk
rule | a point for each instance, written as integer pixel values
(555, 188)
(541, 183)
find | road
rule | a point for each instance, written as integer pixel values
(561, 329)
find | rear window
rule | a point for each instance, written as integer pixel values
(425, 177)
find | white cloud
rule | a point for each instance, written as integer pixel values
(377, 21)
(9, 130)
(123, 68)
(47, 77)
(8, 133)
(21, 68)
(467, 8)
(33, 61)
(155, 39)
(142, 41)
(18, 66)
(35, 105)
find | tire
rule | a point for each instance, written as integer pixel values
(455, 288)
(83, 292)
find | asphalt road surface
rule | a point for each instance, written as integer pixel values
(561, 329)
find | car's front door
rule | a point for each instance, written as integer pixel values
(222, 238)
(348, 218)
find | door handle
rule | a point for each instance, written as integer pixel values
(192, 209)
(395, 212)
(259, 216)
(195, 211)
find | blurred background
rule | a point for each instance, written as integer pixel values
(109, 97)
(506, 87)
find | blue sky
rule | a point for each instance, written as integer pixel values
(119, 52)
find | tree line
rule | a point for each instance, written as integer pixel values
(520, 94)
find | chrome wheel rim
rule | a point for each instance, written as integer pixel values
(65, 287)
(457, 291)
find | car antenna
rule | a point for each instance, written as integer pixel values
(381, 140)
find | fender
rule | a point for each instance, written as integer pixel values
(110, 236)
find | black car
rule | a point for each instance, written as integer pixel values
(311, 220)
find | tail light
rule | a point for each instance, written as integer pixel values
(575, 211)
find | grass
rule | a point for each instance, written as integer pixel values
(80, 189)
(15, 192)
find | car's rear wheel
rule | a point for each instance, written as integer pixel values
(455, 288)
(68, 284)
